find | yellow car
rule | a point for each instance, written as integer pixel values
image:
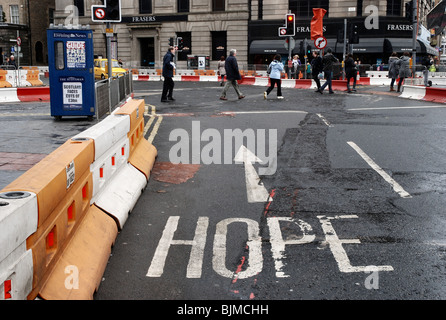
(101, 68)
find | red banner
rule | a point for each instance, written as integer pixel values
(317, 24)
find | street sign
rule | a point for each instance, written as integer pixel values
(109, 12)
(19, 41)
(320, 42)
(99, 13)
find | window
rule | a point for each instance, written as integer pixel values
(394, 8)
(359, 8)
(187, 45)
(80, 7)
(183, 5)
(59, 55)
(1, 13)
(145, 6)
(218, 5)
(304, 8)
(14, 13)
(218, 44)
(51, 15)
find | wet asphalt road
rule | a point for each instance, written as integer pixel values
(356, 208)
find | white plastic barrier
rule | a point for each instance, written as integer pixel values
(18, 220)
(111, 149)
(120, 196)
(413, 92)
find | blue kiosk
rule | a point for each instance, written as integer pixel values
(71, 72)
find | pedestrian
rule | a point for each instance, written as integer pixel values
(12, 62)
(350, 72)
(316, 67)
(327, 62)
(404, 71)
(276, 69)
(427, 62)
(393, 69)
(221, 69)
(295, 67)
(232, 75)
(168, 68)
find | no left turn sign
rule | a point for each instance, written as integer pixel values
(99, 13)
(320, 43)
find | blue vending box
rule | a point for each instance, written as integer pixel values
(71, 72)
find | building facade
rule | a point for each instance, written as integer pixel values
(28, 20)
(211, 28)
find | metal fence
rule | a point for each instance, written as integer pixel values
(110, 93)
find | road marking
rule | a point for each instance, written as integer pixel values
(396, 186)
(328, 124)
(396, 108)
(255, 189)
(338, 251)
(24, 115)
(261, 112)
(194, 266)
(155, 129)
(254, 244)
(278, 242)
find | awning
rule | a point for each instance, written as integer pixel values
(368, 45)
(427, 48)
(278, 47)
(268, 47)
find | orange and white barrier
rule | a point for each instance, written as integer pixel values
(424, 93)
(55, 242)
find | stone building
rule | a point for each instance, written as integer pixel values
(210, 28)
(28, 20)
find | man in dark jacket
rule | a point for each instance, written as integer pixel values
(232, 75)
(316, 69)
(168, 67)
(328, 60)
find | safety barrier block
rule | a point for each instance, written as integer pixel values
(3, 82)
(18, 220)
(33, 94)
(53, 176)
(303, 83)
(62, 182)
(135, 109)
(32, 77)
(435, 95)
(120, 196)
(78, 272)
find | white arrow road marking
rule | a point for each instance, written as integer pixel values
(255, 189)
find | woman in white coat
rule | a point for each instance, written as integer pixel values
(275, 72)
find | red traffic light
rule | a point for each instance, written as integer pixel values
(290, 17)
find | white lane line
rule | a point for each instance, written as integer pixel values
(397, 108)
(396, 186)
(328, 124)
(260, 112)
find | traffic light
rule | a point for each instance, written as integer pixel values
(340, 35)
(353, 34)
(109, 12)
(308, 50)
(180, 43)
(409, 11)
(290, 24)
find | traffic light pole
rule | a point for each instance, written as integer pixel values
(289, 56)
(109, 55)
(343, 51)
(414, 36)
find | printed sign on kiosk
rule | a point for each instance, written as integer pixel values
(71, 70)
